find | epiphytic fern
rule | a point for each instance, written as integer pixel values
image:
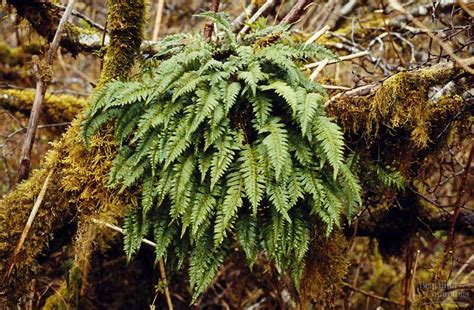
(229, 142)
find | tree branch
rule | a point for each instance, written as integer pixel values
(43, 72)
(296, 12)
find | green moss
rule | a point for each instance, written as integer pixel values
(78, 185)
(400, 103)
(126, 27)
(326, 265)
(56, 108)
(58, 301)
(14, 56)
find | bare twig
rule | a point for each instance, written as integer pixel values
(238, 23)
(159, 14)
(296, 12)
(397, 6)
(161, 263)
(165, 284)
(318, 69)
(41, 87)
(255, 16)
(24, 234)
(371, 295)
(209, 27)
(457, 208)
(317, 35)
(343, 58)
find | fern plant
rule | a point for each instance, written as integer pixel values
(229, 143)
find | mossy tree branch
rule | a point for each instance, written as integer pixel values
(56, 108)
(45, 16)
(79, 183)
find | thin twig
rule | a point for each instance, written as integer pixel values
(165, 284)
(27, 227)
(238, 23)
(457, 209)
(397, 6)
(159, 14)
(318, 69)
(296, 12)
(317, 35)
(255, 16)
(343, 58)
(371, 295)
(41, 87)
(161, 263)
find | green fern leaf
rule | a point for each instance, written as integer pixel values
(276, 143)
(232, 202)
(163, 235)
(206, 102)
(330, 137)
(203, 207)
(280, 199)
(247, 235)
(262, 107)
(135, 228)
(252, 76)
(286, 92)
(307, 110)
(182, 181)
(222, 159)
(253, 177)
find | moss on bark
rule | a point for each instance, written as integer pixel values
(79, 183)
(56, 108)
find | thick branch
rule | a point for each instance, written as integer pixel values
(45, 16)
(56, 108)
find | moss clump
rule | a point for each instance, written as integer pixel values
(78, 185)
(126, 27)
(326, 265)
(56, 108)
(19, 55)
(400, 103)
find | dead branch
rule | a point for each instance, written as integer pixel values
(41, 86)
(296, 12)
(55, 109)
(24, 234)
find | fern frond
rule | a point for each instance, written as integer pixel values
(135, 227)
(181, 194)
(163, 235)
(203, 266)
(276, 143)
(232, 202)
(352, 188)
(330, 137)
(232, 91)
(222, 158)
(247, 235)
(253, 177)
(279, 197)
(252, 76)
(307, 109)
(262, 107)
(203, 206)
(206, 102)
(186, 84)
(148, 194)
(285, 91)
